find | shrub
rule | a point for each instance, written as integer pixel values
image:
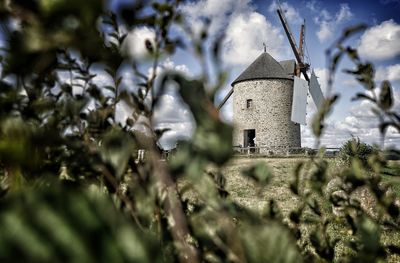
(354, 148)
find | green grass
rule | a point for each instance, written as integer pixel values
(244, 191)
(391, 175)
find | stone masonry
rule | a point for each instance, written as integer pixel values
(269, 114)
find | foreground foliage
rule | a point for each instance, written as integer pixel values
(73, 188)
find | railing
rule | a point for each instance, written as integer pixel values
(261, 151)
(288, 151)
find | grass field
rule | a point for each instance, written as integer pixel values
(244, 191)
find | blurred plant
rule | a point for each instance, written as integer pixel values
(333, 199)
(60, 142)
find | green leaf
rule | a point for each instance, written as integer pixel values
(59, 223)
(119, 80)
(294, 184)
(259, 173)
(319, 118)
(364, 74)
(360, 96)
(269, 243)
(386, 96)
(354, 29)
(114, 35)
(110, 88)
(116, 149)
(352, 53)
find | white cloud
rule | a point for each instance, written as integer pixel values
(327, 22)
(218, 12)
(350, 82)
(291, 14)
(361, 122)
(226, 112)
(178, 131)
(122, 112)
(322, 76)
(173, 114)
(391, 73)
(312, 5)
(170, 111)
(102, 79)
(244, 38)
(134, 44)
(381, 42)
(344, 13)
(245, 30)
(325, 31)
(168, 64)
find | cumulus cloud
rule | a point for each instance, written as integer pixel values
(171, 112)
(325, 31)
(168, 64)
(291, 14)
(226, 112)
(381, 42)
(391, 73)
(245, 35)
(178, 131)
(344, 13)
(361, 122)
(350, 82)
(218, 12)
(327, 22)
(134, 44)
(322, 76)
(245, 29)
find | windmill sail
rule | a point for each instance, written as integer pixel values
(315, 90)
(299, 102)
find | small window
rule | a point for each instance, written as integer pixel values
(249, 103)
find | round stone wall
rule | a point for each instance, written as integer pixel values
(268, 114)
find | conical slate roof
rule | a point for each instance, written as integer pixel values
(264, 67)
(289, 66)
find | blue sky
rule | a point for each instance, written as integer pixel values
(247, 24)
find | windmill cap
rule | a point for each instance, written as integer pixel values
(266, 67)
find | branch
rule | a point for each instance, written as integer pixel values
(172, 206)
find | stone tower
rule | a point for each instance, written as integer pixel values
(262, 103)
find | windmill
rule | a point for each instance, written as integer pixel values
(301, 87)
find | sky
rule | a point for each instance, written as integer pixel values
(248, 24)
